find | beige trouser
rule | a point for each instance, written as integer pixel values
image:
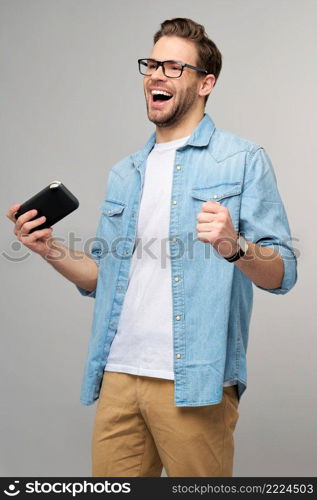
(138, 430)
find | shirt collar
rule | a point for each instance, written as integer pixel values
(200, 137)
(202, 133)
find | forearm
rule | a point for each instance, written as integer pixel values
(75, 266)
(262, 265)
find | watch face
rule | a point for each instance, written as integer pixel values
(243, 244)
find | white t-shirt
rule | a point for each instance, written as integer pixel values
(143, 344)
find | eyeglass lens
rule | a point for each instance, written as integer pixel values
(170, 68)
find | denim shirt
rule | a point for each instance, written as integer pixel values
(212, 299)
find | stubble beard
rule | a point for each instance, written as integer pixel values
(177, 112)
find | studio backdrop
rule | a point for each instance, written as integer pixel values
(72, 105)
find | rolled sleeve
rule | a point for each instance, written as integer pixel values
(290, 270)
(85, 292)
(98, 248)
(263, 219)
(94, 253)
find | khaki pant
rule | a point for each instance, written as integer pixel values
(138, 430)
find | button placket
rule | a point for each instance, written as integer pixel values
(125, 262)
(177, 272)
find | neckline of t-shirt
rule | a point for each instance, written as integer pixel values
(163, 146)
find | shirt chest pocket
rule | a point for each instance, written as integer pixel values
(228, 194)
(112, 219)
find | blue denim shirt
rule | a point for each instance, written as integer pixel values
(212, 298)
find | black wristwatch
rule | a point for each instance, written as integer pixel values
(243, 247)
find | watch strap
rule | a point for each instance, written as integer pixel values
(240, 252)
(236, 256)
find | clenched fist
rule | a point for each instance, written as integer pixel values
(215, 226)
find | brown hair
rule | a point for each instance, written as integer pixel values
(209, 56)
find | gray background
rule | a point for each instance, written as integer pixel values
(71, 105)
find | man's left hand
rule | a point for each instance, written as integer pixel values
(215, 226)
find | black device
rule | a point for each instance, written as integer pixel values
(55, 201)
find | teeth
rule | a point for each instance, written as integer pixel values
(160, 92)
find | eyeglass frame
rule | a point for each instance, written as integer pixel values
(161, 63)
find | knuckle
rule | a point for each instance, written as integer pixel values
(37, 234)
(28, 241)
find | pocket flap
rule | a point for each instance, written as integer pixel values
(112, 207)
(217, 192)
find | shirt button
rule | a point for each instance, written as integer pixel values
(215, 196)
(112, 325)
(178, 356)
(126, 252)
(178, 167)
(109, 211)
(177, 278)
(174, 240)
(178, 318)
(174, 202)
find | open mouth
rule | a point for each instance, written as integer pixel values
(160, 95)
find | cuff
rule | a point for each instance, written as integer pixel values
(86, 293)
(290, 270)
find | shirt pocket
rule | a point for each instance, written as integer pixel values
(112, 219)
(227, 193)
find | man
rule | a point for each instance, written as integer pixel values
(167, 354)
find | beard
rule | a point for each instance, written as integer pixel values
(178, 110)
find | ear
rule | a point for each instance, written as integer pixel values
(207, 85)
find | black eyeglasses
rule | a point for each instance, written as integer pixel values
(171, 69)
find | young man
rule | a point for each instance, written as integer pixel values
(167, 354)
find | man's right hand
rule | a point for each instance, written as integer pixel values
(77, 267)
(37, 241)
